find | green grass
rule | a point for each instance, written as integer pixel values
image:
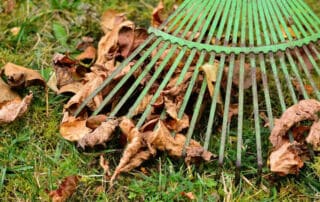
(34, 158)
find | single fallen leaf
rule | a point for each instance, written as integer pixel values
(177, 125)
(140, 35)
(85, 42)
(72, 128)
(313, 137)
(10, 110)
(73, 88)
(304, 110)
(105, 166)
(18, 76)
(88, 54)
(129, 159)
(171, 108)
(157, 15)
(286, 160)
(65, 71)
(110, 18)
(94, 122)
(100, 135)
(6, 93)
(92, 82)
(65, 190)
(52, 83)
(125, 40)
(210, 71)
(142, 105)
(188, 195)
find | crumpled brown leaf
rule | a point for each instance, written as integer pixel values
(6, 93)
(88, 54)
(188, 195)
(18, 76)
(100, 135)
(157, 15)
(72, 128)
(210, 71)
(65, 190)
(286, 159)
(304, 110)
(313, 137)
(10, 110)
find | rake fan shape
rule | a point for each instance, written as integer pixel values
(271, 44)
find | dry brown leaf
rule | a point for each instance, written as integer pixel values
(100, 135)
(105, 166)
(88, 54)
(129, 160)
(74, 88)
(142, 105)
(313, 137)
(110, 19)
(308, 88)
(15, 31)
(65, 190)
(171, 108)
(85, 42)
(6, 93)
(93, 81)
(18, 76)
(140, 35)
(125, 40)
(304, 110)
(9, 6)
(210, 71)
(188, 195)
(286, 160)
(73, 129)
(178, 125)
(157, 15)
(94, 122)
(10, 110)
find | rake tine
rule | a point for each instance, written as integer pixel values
(310, 12)
(313, 62)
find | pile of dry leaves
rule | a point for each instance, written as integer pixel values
(84, 74)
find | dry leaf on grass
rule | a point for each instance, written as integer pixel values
(88, 54)
(157, 15)
(286, 160)
(73, 129)
(94, 122)
(177, 125)
(6, 93)
(188, 195)
(65, 190)
(100, 135)
(10, 110)
(313, 137)
(210, 71)
(304, 110)
(18, 76)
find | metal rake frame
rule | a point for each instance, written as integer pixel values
(270, 33)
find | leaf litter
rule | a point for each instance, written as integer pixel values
(288, 157)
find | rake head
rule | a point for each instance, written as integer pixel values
(263, 55)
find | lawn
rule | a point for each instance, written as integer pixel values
(34, 158)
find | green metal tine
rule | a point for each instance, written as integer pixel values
(228, 91)
(310, 12)
(262, 62)
(160, 68)
(255, 92)
(281, 55)
(185, 5)
(308, 19)
(195, 75)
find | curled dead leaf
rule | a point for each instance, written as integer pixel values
(313, 137)
(304, 110)
(94, 122)
(88, 54)
(157, 15)
(286, 160)
(65, 190)
(10, 110)
(100, 135)
(6, 93)
(188, 195)
(72, 128)
(210, 71)
(18, 76)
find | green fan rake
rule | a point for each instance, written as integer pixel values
(278, 37)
